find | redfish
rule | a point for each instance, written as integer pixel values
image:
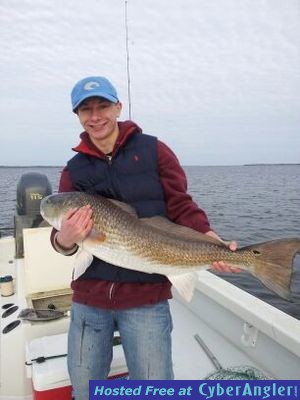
(157, 245)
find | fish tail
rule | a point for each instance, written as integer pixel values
(274, 264)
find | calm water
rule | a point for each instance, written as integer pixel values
(247, 203)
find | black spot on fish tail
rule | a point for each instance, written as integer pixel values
(273, 264)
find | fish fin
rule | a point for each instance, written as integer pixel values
(83, 260)
(124, 206)
(179, 231)
(95, 237)
(274, 264)
(184, 284)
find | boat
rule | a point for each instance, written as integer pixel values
(222, 330)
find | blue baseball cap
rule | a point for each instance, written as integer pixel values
(90, 87)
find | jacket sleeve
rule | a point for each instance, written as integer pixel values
(65, 185)
(181, 208)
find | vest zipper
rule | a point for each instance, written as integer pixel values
(109, 159)
(114, 192)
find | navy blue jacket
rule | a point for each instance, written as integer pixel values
(131, 176)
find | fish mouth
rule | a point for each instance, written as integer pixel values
(44, 206)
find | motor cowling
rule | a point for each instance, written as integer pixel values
(31, 189)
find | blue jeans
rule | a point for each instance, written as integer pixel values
(146, 338)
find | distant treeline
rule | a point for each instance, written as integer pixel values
(273, 165)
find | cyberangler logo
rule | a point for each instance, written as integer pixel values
(248, 390)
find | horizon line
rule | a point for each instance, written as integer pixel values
(184, 165)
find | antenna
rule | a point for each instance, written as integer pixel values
(127, 61)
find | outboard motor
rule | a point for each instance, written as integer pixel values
(31, 189)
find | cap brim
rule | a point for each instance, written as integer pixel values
(95, 94)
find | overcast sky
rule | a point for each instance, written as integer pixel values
(216, 80)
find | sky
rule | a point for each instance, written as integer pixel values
(216, 80)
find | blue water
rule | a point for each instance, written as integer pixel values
(247, 203)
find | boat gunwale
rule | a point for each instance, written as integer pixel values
(281, 327)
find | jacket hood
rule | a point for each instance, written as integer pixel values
(126, 129)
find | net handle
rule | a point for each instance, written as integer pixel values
(208, 352)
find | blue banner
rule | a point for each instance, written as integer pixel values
(194, 390)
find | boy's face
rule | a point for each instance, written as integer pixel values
(98, 117)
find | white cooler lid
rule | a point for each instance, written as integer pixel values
(53, 373)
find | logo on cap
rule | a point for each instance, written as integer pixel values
(91, 85)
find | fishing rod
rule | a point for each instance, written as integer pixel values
(127, 59)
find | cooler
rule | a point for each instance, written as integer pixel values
(50, 378)
(47, 359)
